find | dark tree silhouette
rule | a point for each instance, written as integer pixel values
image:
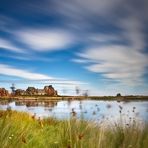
(118, 95)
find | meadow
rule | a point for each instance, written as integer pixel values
(21, 130)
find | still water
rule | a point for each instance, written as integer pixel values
(86, 109)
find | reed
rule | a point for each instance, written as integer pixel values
(21, 130)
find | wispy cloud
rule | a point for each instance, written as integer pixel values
(117, 62)
(11, 71)
(133, 31)
(100, 38)
(29, 57)
(45, 39)
(80, 60)
(79, 11)
(7, 45)
(34, 77)
(124, 63)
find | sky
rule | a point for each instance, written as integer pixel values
(99, 47)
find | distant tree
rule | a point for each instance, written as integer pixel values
(77, 90)
(118, 95)
(64, 91)
(85, 93)
(13, 89)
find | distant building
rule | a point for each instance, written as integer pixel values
(41, 92)
(3, 92)
(50, 91)
(31, 91)
(47, 91)
(20, 92)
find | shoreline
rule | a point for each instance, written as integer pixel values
(72, 98)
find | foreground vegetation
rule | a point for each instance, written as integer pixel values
(21, 130)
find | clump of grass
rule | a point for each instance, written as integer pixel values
(20, 130)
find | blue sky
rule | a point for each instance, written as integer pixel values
(95, 45)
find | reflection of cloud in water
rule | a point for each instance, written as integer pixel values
(88, 109)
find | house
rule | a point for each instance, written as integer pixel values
(20, 92)
(41, 92)
(50, 91)
(31, 91)
(3, 92)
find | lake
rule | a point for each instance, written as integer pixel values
(86, 109)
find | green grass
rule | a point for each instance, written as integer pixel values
(20, 130)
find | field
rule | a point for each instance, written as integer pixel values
(21, 130)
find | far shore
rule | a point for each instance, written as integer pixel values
(69, 98)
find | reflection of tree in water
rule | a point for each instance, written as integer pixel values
(4, 102)
(69, 102)
(36, 103)
(80, 105)
(8, 107)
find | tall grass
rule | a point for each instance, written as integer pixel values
(21, 130)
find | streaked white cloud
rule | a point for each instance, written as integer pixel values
(29, 57)
(81, 9)
(11, 71)
(7, 45)
(116, 62)
(124, 63)
(79, 60)
(45, 39)
(133, 31)
(35, 77)
(104, 38)
(98, 6)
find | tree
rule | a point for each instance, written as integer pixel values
(118, 95)
(77, 90)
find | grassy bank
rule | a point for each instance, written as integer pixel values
(58, 98)
(21, 130)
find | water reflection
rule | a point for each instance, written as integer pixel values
(36, 103)
(88, 109)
